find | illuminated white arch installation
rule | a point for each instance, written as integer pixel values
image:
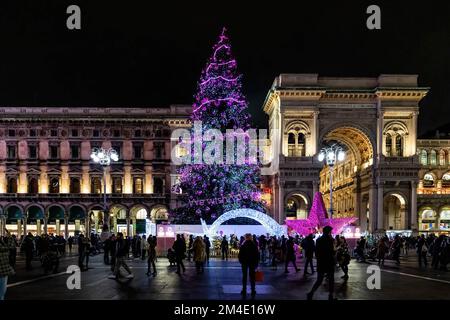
(272, 227)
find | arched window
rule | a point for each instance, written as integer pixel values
(442, 158)
(291, 144)
(433, 158)
(427, 220)
(33, 186)
(424, 157)
(444, 219)
(138, 186)
(428, 180)
(141, 214)
(75, 185)
(96, 185)
(296, 144)
(301, 144)
(399, 145)
(446, 180)
(12, 185)
(158, 186)
(54, 185)
(388, 145)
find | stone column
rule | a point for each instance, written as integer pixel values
(128, 225)
(85, 181)
(148, 186)
(413, 135)
(413, 207)
(25, 220)
(45, 224)
(372, 209)
(66, 227)
(380, 213)
(127, 180)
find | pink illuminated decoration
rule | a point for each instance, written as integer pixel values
(317, 219)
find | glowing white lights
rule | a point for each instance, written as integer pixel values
(104, 157)
(272, 227)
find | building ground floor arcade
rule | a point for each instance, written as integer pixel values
(70, 218)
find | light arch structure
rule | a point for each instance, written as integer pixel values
(272, 227)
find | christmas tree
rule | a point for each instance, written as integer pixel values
(208, 190)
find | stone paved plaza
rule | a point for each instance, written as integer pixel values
(222, 280)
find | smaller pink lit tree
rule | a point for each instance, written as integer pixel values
(317, 219)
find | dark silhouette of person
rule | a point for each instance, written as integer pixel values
(309, 247)
(249, 258)
(326, 262)
(179, 247)
(224, 247)
(290, 255)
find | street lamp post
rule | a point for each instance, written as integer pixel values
(104, 158)
(331, 155)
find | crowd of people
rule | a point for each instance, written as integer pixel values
(331, 253)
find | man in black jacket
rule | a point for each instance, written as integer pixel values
(179, 247)
(325, 262)
(249, 258)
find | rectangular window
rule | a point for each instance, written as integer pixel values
(32, 133)
(54, 133)
(74, 132)
(137, 133)
(12, 133)
(117, 185)
(96, 133)
(116, 133)
(32, 152)
(53, 152)
(75, 151)
(11, 152)
(159, 150)
(137, 151)
(117, 148)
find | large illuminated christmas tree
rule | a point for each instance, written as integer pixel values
(209, 190)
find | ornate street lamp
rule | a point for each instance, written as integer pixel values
(331, 154)
(104, 158)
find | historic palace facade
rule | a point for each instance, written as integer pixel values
(48, 182)
(380, 181)
(389, 179)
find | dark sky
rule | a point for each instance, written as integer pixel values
(131, 54)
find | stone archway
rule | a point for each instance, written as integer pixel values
(296, 205)
(272, 227)
(394, 209)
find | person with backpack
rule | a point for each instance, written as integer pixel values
(422, 251)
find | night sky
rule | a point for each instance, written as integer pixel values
(131, 54)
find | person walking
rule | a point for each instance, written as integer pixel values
(13, 251)
(325, 256)
(144, 247)
(106, 250)
(422, 250)
(151, 248)
(290, 255)
(121, 254)
(396, 248)
(179, 247)
(70, 243)
(224, 246)
(248, 258)
(309, 247)
(189, 248)
(112, 250)
(382, 250)
(199, 253)
(343, 256)
(6, 270)
(207, 247)
(28, 247)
